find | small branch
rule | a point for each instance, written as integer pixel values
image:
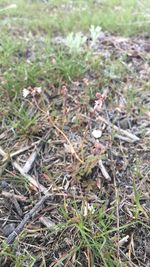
(131, 136)
(10, 195)
(11, 238)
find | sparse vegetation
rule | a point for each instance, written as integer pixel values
(74, 106)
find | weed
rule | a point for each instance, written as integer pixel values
(94, 34)
(75, 42)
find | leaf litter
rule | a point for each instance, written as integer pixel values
(86, 152)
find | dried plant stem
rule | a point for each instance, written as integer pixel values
(11, 194)
(59, 130)
(29, 178)
(104, 171)
(131, 136)
(27, 217)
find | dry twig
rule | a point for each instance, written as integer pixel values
(10, 195)
(131, 136)
(27, 217)
(104, 171)
(29, 178)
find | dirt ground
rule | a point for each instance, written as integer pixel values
(77, 152)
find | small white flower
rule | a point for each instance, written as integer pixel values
(97, 133)
(26, 92)
(91, 208)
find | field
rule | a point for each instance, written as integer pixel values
(74, 133)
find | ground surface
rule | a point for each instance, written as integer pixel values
(74, 127)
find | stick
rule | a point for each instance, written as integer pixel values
(29, 178)
(29, 163)
(124, 138)
(104, 171)
(20, 151)
(133, 137)
(11, 238)
(10, 195)
(7, 156)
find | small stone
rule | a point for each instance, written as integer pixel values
(124, 124)
(8, 229)
(97, 133)
(4, 185)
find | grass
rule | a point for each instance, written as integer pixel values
(37, 50)
(127, 17)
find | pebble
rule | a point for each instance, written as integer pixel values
(97, 133)
(8, 229)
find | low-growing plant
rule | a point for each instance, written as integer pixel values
(75, 42)
(94, 34)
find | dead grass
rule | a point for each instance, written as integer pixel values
(97, 209)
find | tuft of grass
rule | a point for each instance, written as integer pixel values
(94, 233)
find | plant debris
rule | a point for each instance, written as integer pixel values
(75, 159)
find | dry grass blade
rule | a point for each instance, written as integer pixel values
(2, 152)
(8, 7)
(20, 151)
(7, 156)
(124, 138)
(123, 240)
(29, 163)
(68, 141)
(29, 178)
